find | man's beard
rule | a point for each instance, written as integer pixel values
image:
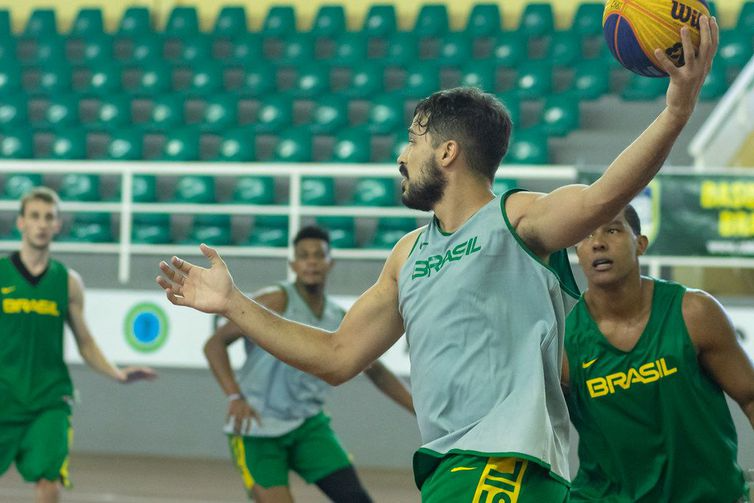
(425, 194)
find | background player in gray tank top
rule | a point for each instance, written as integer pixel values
(276, 408)
(456, 142)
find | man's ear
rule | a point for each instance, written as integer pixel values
(642, 243)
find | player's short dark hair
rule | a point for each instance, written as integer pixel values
(312, 232)
(478, 121)
(633, 219)
(45, 194)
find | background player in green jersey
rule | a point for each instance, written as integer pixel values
(39, 295)
(647, 364)
(276, 423)
(485, 347)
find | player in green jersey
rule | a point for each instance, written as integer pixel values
(482, 306)
(39, 295)
(276, 423)
(647, 364)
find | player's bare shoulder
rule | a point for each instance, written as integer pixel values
(75, 286)
(401, 251)
(273, 298)
(704, 317)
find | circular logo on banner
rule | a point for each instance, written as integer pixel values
(146, 327)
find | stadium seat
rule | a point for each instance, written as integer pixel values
(294, 145)
(237, 146)
(455, 50)
(213, 230)
(102, 81)
(329, 114)
(220, 113)
(641, 88)
(135, 22)
(5, 25)
(509, 50)
(231, 22)
(280, 21)
(502, 185)
(484, 21)
(150, 229)
(421, 81)
(41, 23)
(194, 51)
(254, 190)
(528, 147)
(61, 112)
(298, 49)
(366, 80)
(512, 103)
(155, 79)
(68, 144)
(312, 80)
(259, 80)
(206, 79)
(52, 80)
(590, 80)
(560, 115)
(352, 145)
(17, 144)
(246, 49)
(534, 80)
(274, 114)
(90, 228)
(342, 231)
(10, 78)
(146, 49)
(402, 50)
(13, 112)
(380, 21)
(351, 50)
(400, 141)
(563, 49)
(8, 49)
(374, 191)
(80, 187)
(182, 22)
(735, 48)
(715, 84)
(125, 145)
(166, 114)
(269, 231)
(385, 115)
(745, 22)
(537, 20)
(144, 189)
(481, 74)
(330, 21)
(195, 189)
(389, 231)
(180, 146)
(317, 191)
(49, 50)
(96, 50)
(587, 21)
(88, 23)
(17, 184)
(432, 21)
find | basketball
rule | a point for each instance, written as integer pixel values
(633, 30)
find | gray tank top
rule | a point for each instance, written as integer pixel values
(484, 321)
(285, 396)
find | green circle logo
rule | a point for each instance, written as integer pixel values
(146, 327)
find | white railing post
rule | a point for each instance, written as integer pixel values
(294, 213)
(126, 219)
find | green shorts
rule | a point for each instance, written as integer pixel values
(39, 446)
(312, 450)
(462, 478)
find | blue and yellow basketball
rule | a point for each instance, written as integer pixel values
(635, 28)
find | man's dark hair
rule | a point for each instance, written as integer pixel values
(478, 121)
(633, 219)
(312, 232)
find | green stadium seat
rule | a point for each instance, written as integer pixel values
(590, 80)
(366, 80)
(715, 84)
(231, 22)
(259, 80)
(342, 231)
(329, 22)
(7, 49)
(421, 81)
(87, 24)
(49, 50)
(154, 80)
(352, 145)
(17, 144)
(351, 50)
(206, 79)
(537, 20)
(312, 80)
(90, 228)
(135, 22)
(374, 191)
(5, 25)
(528, 146)
(641, 88)
(68, 145)
(534, 80)
(269, 231)
(380, 21)
(386, 115)
(512, 103)
(400, 142)
(194, 189)
(52, 80)
(455, 50)
(237, 146)
(13, 112)
(41, 23)
(254, 190)
(61, 112)
(432, 21)
(274, 114)
(166, 114)
(213, 230)
(587, 21)
(298, 49)
(509, 50)
(195, 50)
(147, 49)
(181, 146)
(295, 145)
(97, 50)
(745, 22)
(484, 21)
(80, 187)
(182, 22)
(13, 234)
(318, 191)
(246, 49)
(280, 21)
(125, 145)
(155, 231)
(144, 189)
(563, 49)
(402, 49)
(735, 48)
(389, 231)
(102, 81)
(10, 78)
(220, 113)
(560, 115)
(481, 74)
(16, 185)
(502, 185)
(329, 114)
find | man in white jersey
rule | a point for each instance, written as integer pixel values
(476, 292)
(276, 423)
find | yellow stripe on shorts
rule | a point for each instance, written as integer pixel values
(239, 456)
(501, 480)
(64, 474)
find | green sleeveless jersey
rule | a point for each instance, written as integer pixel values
(653, 426)
(33, 374)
